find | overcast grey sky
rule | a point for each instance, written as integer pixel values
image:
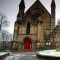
(10, 9)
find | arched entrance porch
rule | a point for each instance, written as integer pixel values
(27, 43)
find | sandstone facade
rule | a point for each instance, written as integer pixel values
(33, 27)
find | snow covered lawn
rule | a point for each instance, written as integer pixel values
(3, 53)
(52, 53)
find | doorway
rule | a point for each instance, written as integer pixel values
(27, 44)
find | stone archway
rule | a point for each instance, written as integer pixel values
(27, 43)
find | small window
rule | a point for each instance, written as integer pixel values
(48, 43)
(28, 28)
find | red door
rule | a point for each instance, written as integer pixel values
(27, 44)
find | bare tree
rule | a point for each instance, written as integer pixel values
(4, 34)
(3, 21)
(6, 37)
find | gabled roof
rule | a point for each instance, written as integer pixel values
(37, 4)
(57, 28)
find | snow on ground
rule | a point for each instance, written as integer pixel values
(53, 53)
(3, 53)
(21, 56)
(14, 57)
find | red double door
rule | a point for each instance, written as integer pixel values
(27, 44)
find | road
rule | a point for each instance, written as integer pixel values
(22, 56)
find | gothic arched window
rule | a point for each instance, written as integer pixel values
(28, 28)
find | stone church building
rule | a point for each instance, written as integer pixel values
(32, 28)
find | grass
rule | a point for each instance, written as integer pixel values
(58, 49)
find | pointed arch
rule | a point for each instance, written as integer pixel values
(27, 43)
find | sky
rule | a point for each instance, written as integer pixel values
(10, 8)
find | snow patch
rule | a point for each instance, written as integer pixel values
(49, 53)
(3, 53)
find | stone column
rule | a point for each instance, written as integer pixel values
(40, 33)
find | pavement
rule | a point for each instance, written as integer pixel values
(21, 56)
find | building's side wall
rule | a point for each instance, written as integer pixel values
(57, 39)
